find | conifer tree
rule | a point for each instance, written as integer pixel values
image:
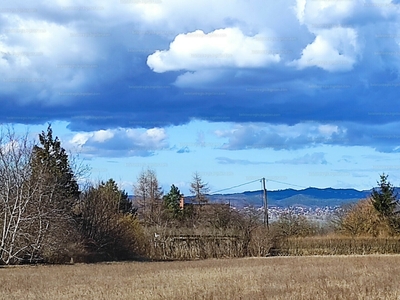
(172, 201)
(50, 165)
(384, 199)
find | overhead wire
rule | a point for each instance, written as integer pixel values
(239, 185)
(281, 182)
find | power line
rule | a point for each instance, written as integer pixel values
(286, 183)
(235, 186)
(281, 182)
(305, 187)
(256, 181)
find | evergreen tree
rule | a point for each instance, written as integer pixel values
(125, 204)
(384, 199)
(172, 201)
(117, 196)
(50, 165)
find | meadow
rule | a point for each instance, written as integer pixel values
(307, 277)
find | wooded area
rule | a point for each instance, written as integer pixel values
(46, 216)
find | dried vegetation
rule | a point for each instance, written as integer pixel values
(330, 277)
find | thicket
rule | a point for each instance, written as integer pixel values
(376, 216)
(45, 217)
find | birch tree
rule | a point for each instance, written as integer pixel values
(24, 222)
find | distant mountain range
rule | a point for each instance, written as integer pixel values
(309, 197)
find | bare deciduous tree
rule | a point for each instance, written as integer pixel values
(34, 226)
(25, 210)
(199, 189)
(148, 197)
(15, 198)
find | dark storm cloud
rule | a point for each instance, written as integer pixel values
(57, 65)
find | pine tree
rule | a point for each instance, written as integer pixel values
(172, 202)
(118, 197)
(384, 199)
(125, 204)
(50, 165)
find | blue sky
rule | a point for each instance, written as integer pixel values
(297, 91)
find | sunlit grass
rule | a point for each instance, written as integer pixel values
(333, 277)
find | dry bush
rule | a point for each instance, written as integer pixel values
(192, 243)
(339, 245)
(221, 232)
(203, 244)
(242, 235)
(261, 242)
(108, 233)
(339, 277)
(363, 219)
(132, 236)
(291, 224)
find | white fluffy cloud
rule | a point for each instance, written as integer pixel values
(334, 49)
(315, 13)
(342, 32)
(120, 142)
(227, 47)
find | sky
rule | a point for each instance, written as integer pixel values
(301, 92)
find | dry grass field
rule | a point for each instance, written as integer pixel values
(317, 277)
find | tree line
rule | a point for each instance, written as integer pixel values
(46, 216)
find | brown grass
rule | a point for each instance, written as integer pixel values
(330, 277)
(339, 245)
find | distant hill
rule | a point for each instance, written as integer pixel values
(309, 197)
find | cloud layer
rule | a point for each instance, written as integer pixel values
(307, 159)
(306, 72)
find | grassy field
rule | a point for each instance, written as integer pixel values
(330, 277)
